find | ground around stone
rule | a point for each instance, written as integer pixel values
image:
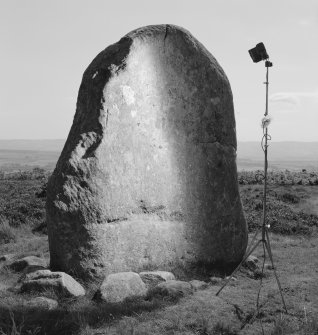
(198, 313)
(202, 312)
(233, 309)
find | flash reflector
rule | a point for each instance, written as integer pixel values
(258, 53)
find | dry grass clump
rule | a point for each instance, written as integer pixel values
(7, 233)
(306, 326)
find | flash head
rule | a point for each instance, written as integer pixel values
(258, 53)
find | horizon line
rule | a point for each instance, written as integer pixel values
(64, 139)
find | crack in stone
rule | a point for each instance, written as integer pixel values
(166, 34)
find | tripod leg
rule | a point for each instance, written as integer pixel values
(251, 243)
(268, 247)
(238, 267)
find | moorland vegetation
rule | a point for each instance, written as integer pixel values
(292, 216)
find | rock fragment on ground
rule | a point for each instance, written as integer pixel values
(22, 263)
(43, 303)
(230, 278)
(60, 282)
(7, 257)
(268, 266)
(152, 278)
(3, 287)
(198, 284)
(252, 263)
(215, 280)
(173, 288)
(117, 287)
(30, 269)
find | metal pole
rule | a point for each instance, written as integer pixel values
(265, 161)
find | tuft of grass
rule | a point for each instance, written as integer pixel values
(282, 327)
(7, 233)
(14, 329)
(310, 327)
(222, 329)
(305, 326)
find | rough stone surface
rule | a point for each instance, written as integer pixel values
(268, 266)
(147, 177)
(60, 282)
(156, 276)
(252, 263)
(215, 280)
(119, 286)
(7, 257)
(3, 287)
(43, 303)
(198, 284)
(173, 288)
(232, 278)
(30, 269)
(22, 263)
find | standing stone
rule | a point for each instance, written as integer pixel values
(147, 177)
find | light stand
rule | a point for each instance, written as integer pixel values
(265, 235)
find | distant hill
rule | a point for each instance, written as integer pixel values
(281, 155)
(22, 154)
(33, 145)
(286, 151)
(12, 160)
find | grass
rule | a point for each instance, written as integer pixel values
(306, 326)
(200, 313)
(292, 200)
(274, 177)
(7, 233)
(22, 200)
(286, 208)
(293, 219)
(71, 316)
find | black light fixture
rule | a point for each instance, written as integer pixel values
(258, 53)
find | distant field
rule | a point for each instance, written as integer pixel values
(34, 145)
(252, 165)
(25, 154)
(27, 159)
(281, 156)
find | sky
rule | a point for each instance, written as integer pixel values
(47, 44)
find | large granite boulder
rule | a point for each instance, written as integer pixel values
(147, 177)
(117, 287)
(59, 282)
